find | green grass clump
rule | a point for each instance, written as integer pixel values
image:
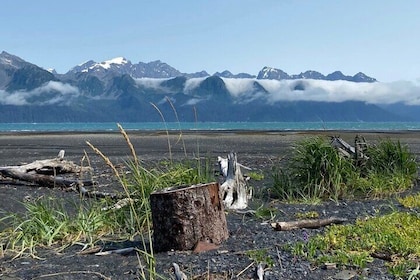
(266, 213)
(410, 201)
(317, 171)
(307, 215)
(260, 256)
(394, 237)
(392, 157)
(47, 223)
(257, 176)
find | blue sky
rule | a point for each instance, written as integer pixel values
(379, 38)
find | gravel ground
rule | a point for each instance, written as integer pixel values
(247, 232)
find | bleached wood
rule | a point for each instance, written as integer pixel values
(234, 190)
(307, 223)
(44, 172)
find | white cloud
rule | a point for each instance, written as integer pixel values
(59, 93)
(190, 84)
(193, 101)
(237, 87)
(330, 91)
(150, 82)
(12, 98)
(245, 90)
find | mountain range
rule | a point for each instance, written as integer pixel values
(118, 90)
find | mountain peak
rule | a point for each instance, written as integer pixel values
(228, 74)
(272, 74)
(11, 60)
(117, 60)
(361, 77)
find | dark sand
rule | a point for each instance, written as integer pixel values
(25, 147)
(258, 150)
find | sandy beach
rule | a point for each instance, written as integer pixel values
(258, 150)
(17, 148)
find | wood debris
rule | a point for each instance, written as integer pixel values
(307, 223)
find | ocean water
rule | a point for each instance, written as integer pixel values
(185, 126)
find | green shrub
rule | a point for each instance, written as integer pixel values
(316, 170)
(391, 157)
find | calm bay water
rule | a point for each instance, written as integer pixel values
(257, 126)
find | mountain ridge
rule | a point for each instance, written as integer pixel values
(118, 90)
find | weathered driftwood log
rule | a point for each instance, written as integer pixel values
(43, 180)
(356, 152)
(44, 172)
(183, 216)
(234, 190)
(223, 165)
(307, 223)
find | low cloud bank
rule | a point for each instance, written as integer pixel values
(51, 93)
(329, 91)
(247, 90)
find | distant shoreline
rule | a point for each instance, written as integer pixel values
(203, 132)
(207, 127)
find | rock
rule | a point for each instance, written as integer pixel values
(345, 275)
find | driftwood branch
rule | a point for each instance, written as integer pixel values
(234, 191)
(49, 167)
(347, 150)
(307, 223)
(44, 172)
(116, 251)
(41, 179)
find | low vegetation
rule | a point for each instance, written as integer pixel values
(410, 201)
(317, 171)
(392, 237)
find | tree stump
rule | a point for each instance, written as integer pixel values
(185, 215)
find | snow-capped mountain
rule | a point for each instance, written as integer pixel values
(278, 74)
(121, 66)
(119, 90)
(158, 69)
(272, 74)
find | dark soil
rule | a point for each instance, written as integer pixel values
(247, 232)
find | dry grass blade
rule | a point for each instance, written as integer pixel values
(166, 128)
(245, 269)
(106, 159)
(130, 145)
(180, 130)
(54, 275)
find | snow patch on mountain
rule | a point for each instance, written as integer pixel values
(108, 63)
